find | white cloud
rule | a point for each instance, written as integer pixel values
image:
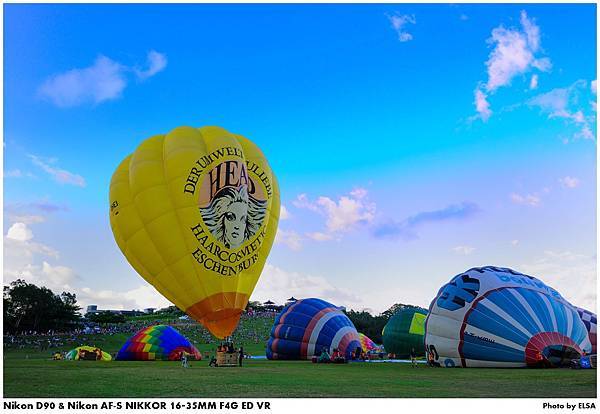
(278, 285)
(302, 201)
(593, 86)
(156, 63)
(19, 232)
(569, 182)
(17, 173)
(562, 103)
(528, 199)
(533, 84)
(58, 275)
(144, 296)
(514, 53)
(290, 239)
(573, 275)
(284, 213)
(58, 174)
(464, 250)
(319, 236)
(482, 105)
(399, 23)
(103, 81)
(514, 242)
(343, 215)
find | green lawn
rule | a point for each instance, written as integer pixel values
(30, 374)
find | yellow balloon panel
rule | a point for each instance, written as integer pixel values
(195, 212)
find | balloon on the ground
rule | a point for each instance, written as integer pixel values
(497, 317)
(590, 321)
(88, 353)
(307, 327)
(367, 344)
(195, 213)
(405, 331)
(158, 342)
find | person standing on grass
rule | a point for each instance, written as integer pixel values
(413, 357)
(241, 355)
(184, 363)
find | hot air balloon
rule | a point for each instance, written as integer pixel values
(590, 321)
(158, 342)
(497, 317)
(405, 331)
(195, 213)
(88, 353)
(367, 344)
(306, 327)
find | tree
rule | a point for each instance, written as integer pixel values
(372, 326)
(396, 308)
(28, 307)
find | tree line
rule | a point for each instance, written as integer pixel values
(28, 307)
(372, 325)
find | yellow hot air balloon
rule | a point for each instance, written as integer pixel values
(195, 213)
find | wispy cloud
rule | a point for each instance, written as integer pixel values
(407, 228)
(103, 81)
(533, 200)
(156, 62)
(399, 23)
(482, 105)
(17, 173)
(572, 274)
(563, 103)
(533, 84)
(58, 174)
(284, 213)
(289, 238)
(278, 284)
(43, 205)
(463, 250)
(569, 182)
(515, 51)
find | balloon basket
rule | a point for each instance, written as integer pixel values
(226, 359)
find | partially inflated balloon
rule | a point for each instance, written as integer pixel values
(367, 344)
(195, 213)
(307, 327)
(590, 321)
(157, 342)
(404, 332)
(497, 317)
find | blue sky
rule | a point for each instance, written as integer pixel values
(411, 142)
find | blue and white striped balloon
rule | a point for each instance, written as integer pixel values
(497, 317)
(307, 327)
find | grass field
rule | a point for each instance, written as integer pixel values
(30, 373)
(38, 377)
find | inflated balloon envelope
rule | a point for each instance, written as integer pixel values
(195, 213)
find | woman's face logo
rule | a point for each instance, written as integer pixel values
(235, 223)
(231, 214)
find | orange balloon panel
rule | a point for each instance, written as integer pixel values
(195, 213)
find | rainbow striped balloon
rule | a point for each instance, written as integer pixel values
(157, 342)
(367, 344)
